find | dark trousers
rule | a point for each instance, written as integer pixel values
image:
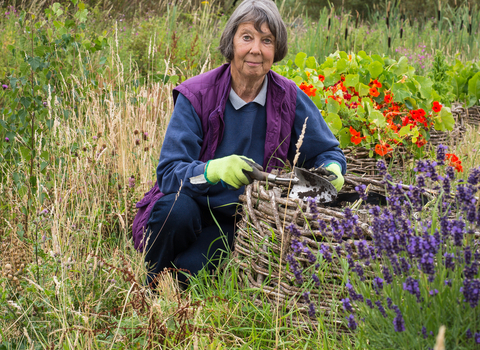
(184, 235)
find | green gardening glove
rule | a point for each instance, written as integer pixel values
(339, 181)
(229, 169)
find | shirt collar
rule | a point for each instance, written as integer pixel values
(238, 103)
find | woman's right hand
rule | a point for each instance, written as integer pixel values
(231, 170)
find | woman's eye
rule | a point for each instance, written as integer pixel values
(267, 41)
(246, 37)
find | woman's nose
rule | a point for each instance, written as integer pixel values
(255, 49)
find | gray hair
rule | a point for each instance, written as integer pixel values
(257, 12)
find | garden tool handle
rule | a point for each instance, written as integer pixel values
(258, 174)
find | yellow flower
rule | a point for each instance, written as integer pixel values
(205, 2)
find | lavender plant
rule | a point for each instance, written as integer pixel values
(419, 271)
(423, 263)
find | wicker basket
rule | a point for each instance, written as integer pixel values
(263, 243)
(449, 138)
(360, 163)
(469, 115)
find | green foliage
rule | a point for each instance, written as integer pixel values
(464, 80)
(341, 87)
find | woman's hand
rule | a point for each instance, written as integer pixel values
(229, 169)
(339, 181)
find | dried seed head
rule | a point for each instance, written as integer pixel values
(135, 132)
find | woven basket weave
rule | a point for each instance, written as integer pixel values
(450, 138)
(263, 243)
(469, 115)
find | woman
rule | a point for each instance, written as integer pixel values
(239, 110)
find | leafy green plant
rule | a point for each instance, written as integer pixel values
(370, 101)
(465, 82)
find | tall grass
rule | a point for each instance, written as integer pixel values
(74, 280)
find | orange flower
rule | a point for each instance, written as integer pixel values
(382, 149)
(308, 89)
(321, 78)
(374, 92)
(421, 142)
(308, 74)
(388, 98)
(375, 83)
(455, 162)
(355, 139)
(437, 107)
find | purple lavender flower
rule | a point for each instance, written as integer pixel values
(387, 276)
(474, 177)
(449, 261)
(399, 322)
(311, 306)
(378, 283)
(295, 267)
(471, 292)
(359, 270)
(381, 308)
(469, 334)
(382, 168)
(389, 303)
(477, 338)
(351, 322)
(369, 303)
(411, 285)
(441, 153)
(433, 292)
(362, 249)
(361, 192)
(294, 230)
(405, 266)
(352, 293)
(470, 271)
(346, 305)
(448, 282)
(424, 332)
(316, 280)
(325, 251)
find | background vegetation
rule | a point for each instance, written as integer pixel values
(85, 100)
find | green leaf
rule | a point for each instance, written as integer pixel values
(344, 137)
(377, 118)
(401, 67)
(25, 101)
(444, 121)
(333, 106)
(297, 79)
(300, 60)
(351, 80)
(363, 89)
(425, 86)
(400, 93)
(311, 63)
(375, 68)
(404, 131)
(334, 122)
(474, 86)
(341, 65)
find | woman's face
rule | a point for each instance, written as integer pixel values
(253, 52)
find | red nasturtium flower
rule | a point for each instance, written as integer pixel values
(382, 149)
(308, 89)
(356, 138)
(321, 78)
(421, 142)
(455, 162)
(388, 98)
(375, 83)
(374, 92)
(437, 107)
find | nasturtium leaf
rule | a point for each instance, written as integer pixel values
(350, 80)
(298, 79)
(344, 137)
(333, 106)
(444, 120)
(363, 89)
(378, 58)
(341, 65)
(401, 67)
(334, 122)
(375, 68)
(300, 60)
(377, 118)
(405, 130)
(329, 71)
(425, 86)
(400, 93)
(311, 63)
(343, 54)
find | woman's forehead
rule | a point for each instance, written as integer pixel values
(250, 26)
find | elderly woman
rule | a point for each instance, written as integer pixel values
(241, 110)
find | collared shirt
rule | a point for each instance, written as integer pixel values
(238, 103)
